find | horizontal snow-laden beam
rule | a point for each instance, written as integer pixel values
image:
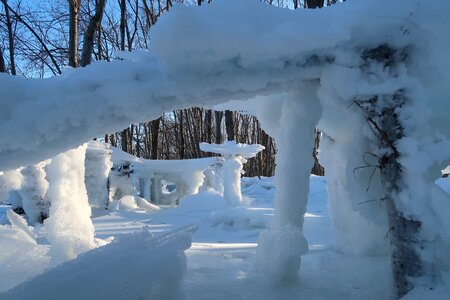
(200, 56)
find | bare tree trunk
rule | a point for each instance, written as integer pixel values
(155, 138)
(2, 62)
(123, 16)
(218, 118)
(10, 38)
(208, 125)
(229, 125)
(89, 34)
(74, 6)
(317, 168)
(181, 133)
(314, 3)
(386, 123)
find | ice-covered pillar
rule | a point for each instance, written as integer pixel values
(69, 226)
(33, 193)
(280, 247)
(155, 189)
(235, 155)
(97, 167)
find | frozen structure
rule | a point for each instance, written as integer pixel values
(372, 75)
(132, 176)
(98, 164)
(235, 155)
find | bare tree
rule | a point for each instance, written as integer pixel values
(74, 6)
(314, 3)
(9, 26)
(2, 62)
(89, 33)
(229, 125)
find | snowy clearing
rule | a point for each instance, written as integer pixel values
(221, 261)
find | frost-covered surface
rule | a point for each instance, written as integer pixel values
(221, 261)
(69, 226)
(97, 167)
(33, 192)
(234, 57)
(293, 80)
(132, 176)
(135, 266)
(231, 148)
(235, 155)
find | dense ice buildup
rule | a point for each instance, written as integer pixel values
(34, 191)
(295, 139)
(69, 226)
(213, 54)
(11, 181)
(135, 266)
(235, 154)
(97, 167)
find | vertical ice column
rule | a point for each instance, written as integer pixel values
(97, 167)
(235, 155)
(69, 226)
(280, 247)
(33, 192)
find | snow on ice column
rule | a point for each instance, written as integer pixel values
(33, 192)
(280, 247)
(97, 167)
(235, 155)
(69, 226)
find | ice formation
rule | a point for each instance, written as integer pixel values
(304, 78)
(69, 226)
(97, 167)
(235, 155)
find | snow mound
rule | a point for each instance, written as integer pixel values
(136, 266)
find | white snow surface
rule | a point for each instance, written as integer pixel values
(293, 80)
(232, 148)
(220, 264)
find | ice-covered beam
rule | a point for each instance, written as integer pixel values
(202, 56)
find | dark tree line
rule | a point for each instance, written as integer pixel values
(176, 135)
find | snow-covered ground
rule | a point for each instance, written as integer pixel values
(221, 263)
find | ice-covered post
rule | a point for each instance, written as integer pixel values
(235, 155)
(97, 167)
(69, 226)
(385, 113)
(33, 193)
(280, 247)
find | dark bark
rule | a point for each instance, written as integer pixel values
(36, 35)
(229, 125)
(89, 33)
(181, 133)
(386, 124)
(155, 137)
(317, 168)
(123, 15)
(10, 39)
(314, 3)
(208, 125)
(218, 118)
(74, 6)
(2, 62)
